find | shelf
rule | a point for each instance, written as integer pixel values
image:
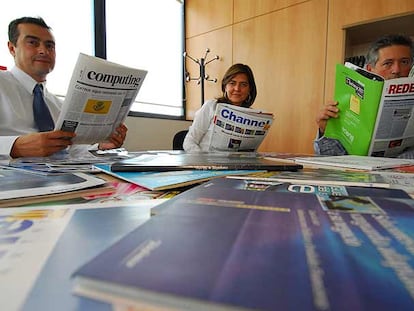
(359, 37)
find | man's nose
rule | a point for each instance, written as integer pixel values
(42, 48)
(396, 68)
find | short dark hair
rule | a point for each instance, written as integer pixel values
(14, 31)
(230, 73)
(388, 40)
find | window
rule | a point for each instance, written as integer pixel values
(148, 34)
(72, 28)
(145, 34)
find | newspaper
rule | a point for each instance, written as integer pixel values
(239, 129)
(394, 127)
(376, 115)
(99, 98)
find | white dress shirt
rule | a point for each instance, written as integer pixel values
(200, 132)
(16, 108)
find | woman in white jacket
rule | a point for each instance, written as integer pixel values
(239, 89)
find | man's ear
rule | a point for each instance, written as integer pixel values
(11, 48)
(369, 67)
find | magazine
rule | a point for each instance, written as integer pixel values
(238, 128)
(376, 116)
(170, 179)
(356, 162)
(162, 162)
(43, 245)
(99, 98)
(62, 162)
(18, 183)
(322, 176)
(222, 246)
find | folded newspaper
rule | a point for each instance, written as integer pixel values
(98, 99)
(239, 129)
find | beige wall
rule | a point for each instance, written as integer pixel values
(292, 47)
(151, 133)
(357, 12)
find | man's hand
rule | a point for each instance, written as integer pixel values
(116, 139)
(329, 110)
(41, 144)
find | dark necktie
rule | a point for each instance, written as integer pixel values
(41, 112)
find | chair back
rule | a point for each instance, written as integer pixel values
(179, 139)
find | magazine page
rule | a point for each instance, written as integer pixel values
(356, 162)
(26, 250)
(99, 98)
(239, 129)
(358, 94)
(394, 129)
(19, 183)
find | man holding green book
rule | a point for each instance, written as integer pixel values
(391, 57)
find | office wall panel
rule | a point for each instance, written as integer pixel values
(247, 9)
(204, 16)
(286, 50)
(357, 12)
(220, 43)
(292, 46)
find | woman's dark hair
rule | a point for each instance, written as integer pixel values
(14, 31)
(229, 75)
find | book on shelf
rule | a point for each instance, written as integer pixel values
(16, 183)
(323, 176)
(99, 97)
(375, 115)
(220, 248)
(169, 179)
(238, 128)
(200, 161)
(358, 162)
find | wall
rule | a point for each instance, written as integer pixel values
(271, 37)
(292, 47)
(357, 12)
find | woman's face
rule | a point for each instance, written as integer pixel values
(238, 89)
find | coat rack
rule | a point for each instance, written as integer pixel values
(202, 63)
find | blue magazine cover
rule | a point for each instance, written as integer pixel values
(170, 179)
(216, 248)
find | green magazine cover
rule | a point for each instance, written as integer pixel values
(358, 94)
